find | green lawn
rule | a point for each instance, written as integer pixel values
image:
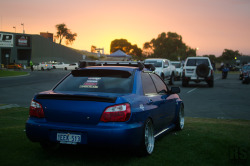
(203, 142)
(7, 73)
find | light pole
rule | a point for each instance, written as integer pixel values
(23, 27)
(14, 28)
(197, 50)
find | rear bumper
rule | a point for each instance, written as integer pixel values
(197, 78)
(102, 134)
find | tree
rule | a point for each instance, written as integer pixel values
(212, 58)
(229, 55)
(70, 37)
(168, 46)
(93, 49)
(127, 47)
(64, 32)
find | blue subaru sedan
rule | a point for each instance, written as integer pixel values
(110, 104)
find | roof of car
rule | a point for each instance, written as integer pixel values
(156, 59)
(117, 64)
(197, 57)
(126, 68)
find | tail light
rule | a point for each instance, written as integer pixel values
(36, 109)
(212, 72)
(117, 113)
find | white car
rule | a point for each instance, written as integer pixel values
(60, 65)
(163, 68)
(42, 66)
(72, 66)
(178, 69)
(198, 69)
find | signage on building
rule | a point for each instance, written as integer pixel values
(6, 40)
(22, 41)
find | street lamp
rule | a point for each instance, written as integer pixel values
(14, 28)
(196, 50)
(23, 27)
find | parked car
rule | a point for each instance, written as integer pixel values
(198, 69)
(245, 74)
(178, 69)
(122, 105)
(60, 65)
(163, 68)
(13, 66)
(244, 67)
(42, 66)
(72, 66)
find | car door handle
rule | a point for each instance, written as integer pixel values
(150, 101)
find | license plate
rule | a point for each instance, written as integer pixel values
(67, 138)
(193, 78)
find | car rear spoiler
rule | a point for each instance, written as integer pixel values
(140, 65)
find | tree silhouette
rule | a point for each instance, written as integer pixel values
(64, 32)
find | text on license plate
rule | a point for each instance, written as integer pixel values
(68, 138)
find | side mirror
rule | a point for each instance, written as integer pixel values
(175, 90)
(165, 66)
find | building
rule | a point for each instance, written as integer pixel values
(47, 35)
(15, 48)
(22, 48)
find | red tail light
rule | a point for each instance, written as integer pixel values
(117, 113)
(212, 72)
(36, 109)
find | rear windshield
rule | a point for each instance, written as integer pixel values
(177, 65)
(96, 80)
(156, 63)
(196, 62)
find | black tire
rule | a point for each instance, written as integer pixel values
(247, 81)
(180, 121)
(148, 139)
(65, 68)
(184, 83)
(202, 70)
(42, 69)
(171, 81)
(162, 76)
(211, 82)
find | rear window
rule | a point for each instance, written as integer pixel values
(156, 63)
(196, 62)
(177, 65)
(96, 80)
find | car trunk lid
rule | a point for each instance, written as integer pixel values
(77, 109)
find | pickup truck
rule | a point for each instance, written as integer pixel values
(164, 68)
(42, 66)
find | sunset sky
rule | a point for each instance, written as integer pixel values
(210, 25)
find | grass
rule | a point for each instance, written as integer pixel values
(7, 73)
(202, 142)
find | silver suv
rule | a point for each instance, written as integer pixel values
(198, 69)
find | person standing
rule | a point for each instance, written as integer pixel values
(31, 66)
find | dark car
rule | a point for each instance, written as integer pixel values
(122, 105)
(245, 72)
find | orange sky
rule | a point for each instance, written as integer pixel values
(210, 25)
